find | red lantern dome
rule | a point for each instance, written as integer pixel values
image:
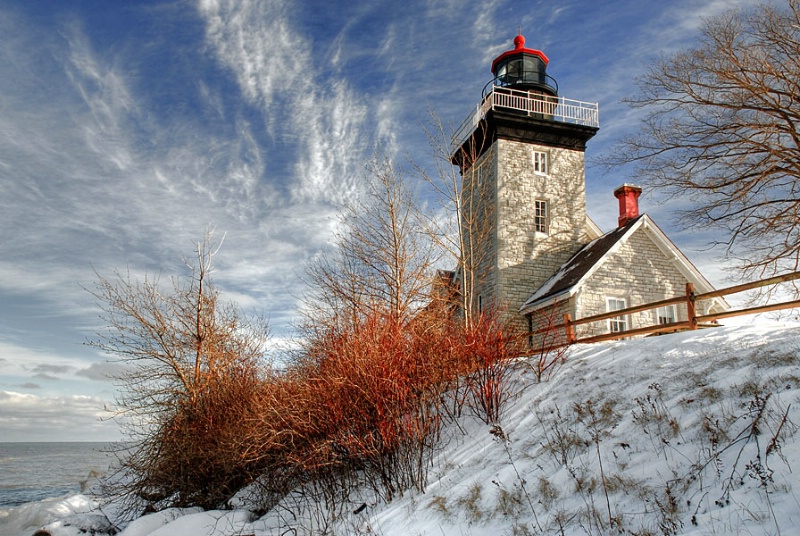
(523, 68)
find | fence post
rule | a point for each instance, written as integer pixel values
(691, 310)
(570, 329)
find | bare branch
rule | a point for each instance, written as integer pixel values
(721, 132)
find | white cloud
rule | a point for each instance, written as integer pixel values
(485, 34)
(95, 179)
(104, 90)
(25, 361)
(27, 417)
(335, 149)
(255, 41)
(105, 371)
(275, 69)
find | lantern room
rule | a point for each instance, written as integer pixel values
(522, 103)
(523, 69)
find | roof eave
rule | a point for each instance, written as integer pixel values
(547, 301)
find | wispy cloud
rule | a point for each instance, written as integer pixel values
(105, 93)
(296, 90)
(91, 177)
(255, 41)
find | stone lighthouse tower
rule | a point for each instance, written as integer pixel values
(521, 158)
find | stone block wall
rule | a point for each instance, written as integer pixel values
(527, 258)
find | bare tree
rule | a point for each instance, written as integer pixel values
(382, 261)
(195, 368)
(721, 132)
(463, 230)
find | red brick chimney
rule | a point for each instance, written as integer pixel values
(628, 196)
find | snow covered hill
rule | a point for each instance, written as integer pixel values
(691, 433)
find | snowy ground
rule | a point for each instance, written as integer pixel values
(692, 433)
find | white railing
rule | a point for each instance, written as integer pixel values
(532, 104)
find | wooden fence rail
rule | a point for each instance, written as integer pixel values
(690, 300)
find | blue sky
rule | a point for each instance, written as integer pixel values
(128, 128)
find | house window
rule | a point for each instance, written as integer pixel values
(540, 162)
(666, 315)
(618, 323)
(540, 216)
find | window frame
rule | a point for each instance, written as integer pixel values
(617, 324)
(671, 318)
(541, 222)
(541, 163)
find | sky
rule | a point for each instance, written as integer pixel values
(127, 129)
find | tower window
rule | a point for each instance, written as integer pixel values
(477, 175)
(540, 162)
(540, 216)
(619, 323)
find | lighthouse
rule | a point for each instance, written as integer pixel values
(520, 153)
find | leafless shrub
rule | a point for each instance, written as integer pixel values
(489, 350)
(195, 368)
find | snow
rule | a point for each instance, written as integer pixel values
(232, 522)
(78, 525)
(148, 524)
(690, 433)
(26, 519)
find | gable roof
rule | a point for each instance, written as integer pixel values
(590, 257)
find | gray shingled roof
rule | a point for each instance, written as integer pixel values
(579, 265)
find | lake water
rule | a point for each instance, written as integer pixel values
(35, 471)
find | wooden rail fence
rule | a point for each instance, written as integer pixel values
(689, 300)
